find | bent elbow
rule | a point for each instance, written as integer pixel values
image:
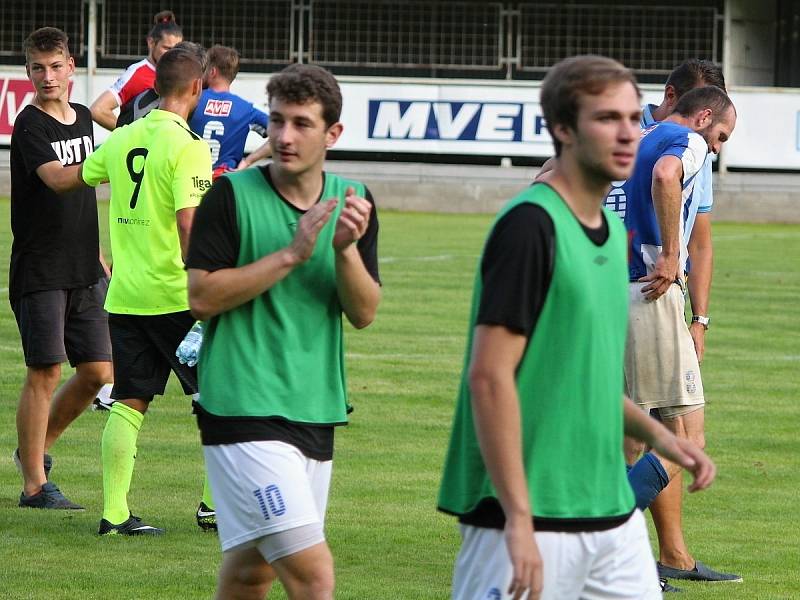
(200, 309)
(363, 320)
(478, 380)
(60, 187)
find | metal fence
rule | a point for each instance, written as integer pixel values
(647, 39)
(463, 35)
(20, 18)
(260, 30)
(512, 39)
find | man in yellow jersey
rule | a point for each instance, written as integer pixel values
(158, 171)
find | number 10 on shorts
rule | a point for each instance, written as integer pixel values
(270, 501)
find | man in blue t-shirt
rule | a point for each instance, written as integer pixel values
(658, 205)
(224, 119)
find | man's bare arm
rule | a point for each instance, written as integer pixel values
(183, 220)
(102, 110)
(667, 196)
(214, 292)
(359, 294)
(701, 254)
(260, 153)
(59, 178)
(547, 167)
(496, 353)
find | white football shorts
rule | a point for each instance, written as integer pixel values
(602, 565)
(267, 488)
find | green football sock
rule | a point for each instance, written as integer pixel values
(208, 499)
(119, 454)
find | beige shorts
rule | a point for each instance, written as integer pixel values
(661, 368)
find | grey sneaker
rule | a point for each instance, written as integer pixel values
(700, 573)
(49, 497)
(48, 463)
(132, 526)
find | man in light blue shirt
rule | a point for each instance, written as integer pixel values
(675, 559)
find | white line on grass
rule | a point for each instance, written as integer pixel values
(440, 257)
(422, 357)
(730, 237)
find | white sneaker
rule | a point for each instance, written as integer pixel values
(104, 399)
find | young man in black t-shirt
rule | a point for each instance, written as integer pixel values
(57, 280)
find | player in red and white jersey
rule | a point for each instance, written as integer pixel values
(140, 76)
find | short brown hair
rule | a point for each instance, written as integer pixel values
(225, 60)
(197, 50)
(693, 72)
(573, 77)
(46, 39)
(176, 70)
(701, 98)
(301, 84)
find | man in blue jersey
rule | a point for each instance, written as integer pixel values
(224, 119)
(666, 508)
(659, 204)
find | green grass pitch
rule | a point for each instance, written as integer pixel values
(387, 538)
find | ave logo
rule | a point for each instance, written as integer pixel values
(218, 108)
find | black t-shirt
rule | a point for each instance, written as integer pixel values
(56, 240)
(517, 269)
(214, 245)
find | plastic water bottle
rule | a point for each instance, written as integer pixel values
(189, 348)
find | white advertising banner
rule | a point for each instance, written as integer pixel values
(436, 117)
(767, 134)
(460, 117)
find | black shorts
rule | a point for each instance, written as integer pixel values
(144, 354)
(60, 325)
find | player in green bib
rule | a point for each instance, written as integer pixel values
(535, 468)
(278, 255)
(159, 171)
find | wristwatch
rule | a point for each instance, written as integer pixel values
(703, 320)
